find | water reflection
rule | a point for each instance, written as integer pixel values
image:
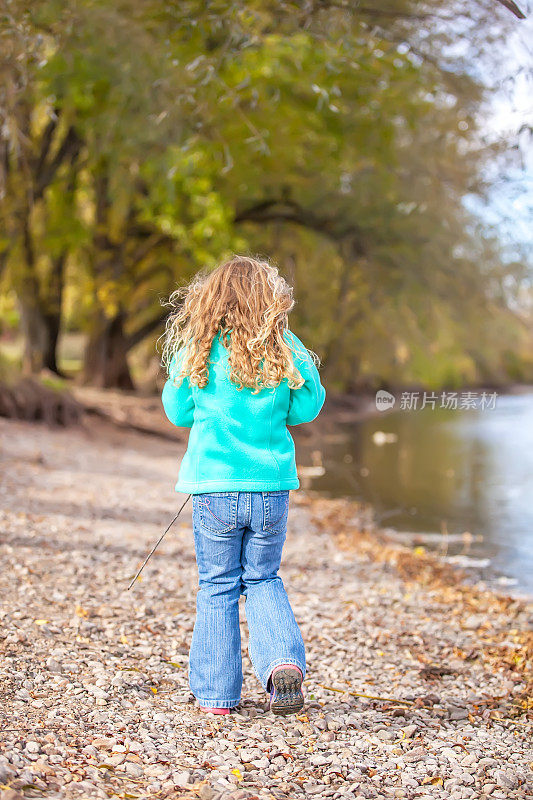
(467, 470)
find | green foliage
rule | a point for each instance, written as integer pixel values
(146, 141)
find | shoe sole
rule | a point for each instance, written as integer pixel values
(288, 696)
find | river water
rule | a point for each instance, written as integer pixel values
(463, 476)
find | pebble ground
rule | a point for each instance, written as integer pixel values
(93, 678)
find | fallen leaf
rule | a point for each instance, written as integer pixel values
(434, 780)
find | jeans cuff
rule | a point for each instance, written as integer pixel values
(273, 664)
(202, 701)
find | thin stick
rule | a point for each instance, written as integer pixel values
(156, 545)
(369, 696)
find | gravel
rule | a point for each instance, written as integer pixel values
(93, 679)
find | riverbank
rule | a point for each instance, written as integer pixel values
(417, 682)
(455, 481)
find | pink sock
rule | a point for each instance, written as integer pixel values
(207, 710)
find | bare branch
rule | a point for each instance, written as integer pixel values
(69, 149)
(46, 142)
(277, 210)
(513, 8)
(145, 330)
(384, 13)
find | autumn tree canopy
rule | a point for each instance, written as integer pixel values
(142, 141)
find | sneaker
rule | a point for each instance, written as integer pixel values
(286, 696)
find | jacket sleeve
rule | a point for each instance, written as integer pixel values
(305, 403)
(178, 400)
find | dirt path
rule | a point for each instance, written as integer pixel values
(95, 701)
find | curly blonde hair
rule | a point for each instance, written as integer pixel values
(248, 301)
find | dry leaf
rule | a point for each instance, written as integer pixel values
(434, 780)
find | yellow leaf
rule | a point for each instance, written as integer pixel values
(419, 551)
(124, 639)
(434, 780)
(41, 621)
(81, 612)
(154, 690)
(237, 773)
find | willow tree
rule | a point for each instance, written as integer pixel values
(169, 135)
(39, 148)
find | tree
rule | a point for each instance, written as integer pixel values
(39, 153)
(169, 135)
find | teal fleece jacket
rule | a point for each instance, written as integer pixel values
(239, 440)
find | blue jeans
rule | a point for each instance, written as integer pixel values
(239, 537)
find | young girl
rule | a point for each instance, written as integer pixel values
(237, 378)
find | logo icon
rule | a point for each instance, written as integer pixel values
(384, 400)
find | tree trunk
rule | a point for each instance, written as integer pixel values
(41, 334)
(53, 326)
(40, 310)
(35, 335)
(52, 312)
(106, 354)
(106, 362)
